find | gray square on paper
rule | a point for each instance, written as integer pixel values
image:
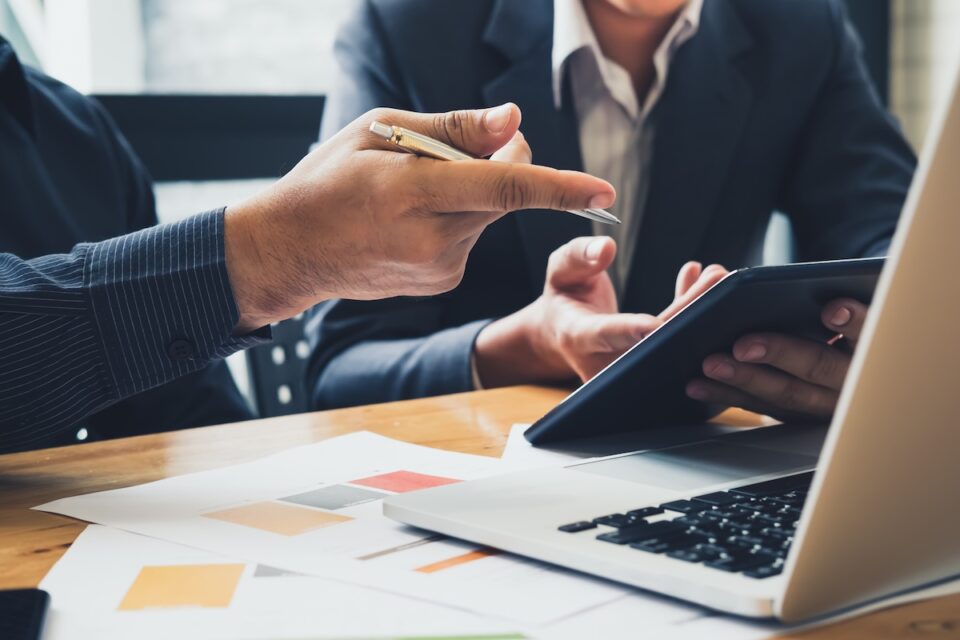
(335, 497)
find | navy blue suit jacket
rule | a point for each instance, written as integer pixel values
(768, 108)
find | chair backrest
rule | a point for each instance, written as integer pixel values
(202, 138)
(277, 371)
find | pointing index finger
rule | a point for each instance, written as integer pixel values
(479, 185)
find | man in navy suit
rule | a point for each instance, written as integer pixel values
(706, 115)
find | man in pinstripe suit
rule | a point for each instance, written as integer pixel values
(100, 312)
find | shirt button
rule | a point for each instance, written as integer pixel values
(181, 349)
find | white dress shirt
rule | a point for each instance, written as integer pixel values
(615, 131)
(616, 136)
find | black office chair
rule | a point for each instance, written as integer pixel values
(201, 138)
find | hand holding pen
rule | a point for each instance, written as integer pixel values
(423, 145)
(354, 219)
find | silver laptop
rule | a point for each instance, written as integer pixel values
(763, 534)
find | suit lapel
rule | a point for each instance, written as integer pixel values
(699, 120)
(523, 33)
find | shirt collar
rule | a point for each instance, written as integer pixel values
(572, 32)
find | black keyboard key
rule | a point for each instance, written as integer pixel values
(776, 533)
(687, 555)
(575, 527)
(682, 506)
(645, 512)
(790, 499)
(737, 563)
(626, 535)
(656, 545)
(717, 499)
(665, 528)
(702, 536)
(776, 486)
(613, 520)
(642, 532)
(767, 507)
(711, 551)
(767, 571)
(741, 527)
(699, 553)
(773, 519)
(748, 542)
(667, 539)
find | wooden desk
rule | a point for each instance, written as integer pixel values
(31, 541)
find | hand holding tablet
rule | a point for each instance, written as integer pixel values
(647, 386)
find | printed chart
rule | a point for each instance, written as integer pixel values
(317, 510)
(114, 584)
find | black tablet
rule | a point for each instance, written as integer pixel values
(22, 613)
(646, 386)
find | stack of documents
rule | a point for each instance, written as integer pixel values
(295, 546)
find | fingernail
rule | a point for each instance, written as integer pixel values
(696, 391)
(840, 317)
(601, 200)
(594, 249)
(722, 371)
(756, 351)
(497, 119)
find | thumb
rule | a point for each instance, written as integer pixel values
(689, 273)
(580, 260)
(614, 333)
(517, 150)
(479, 132)
(707, 278)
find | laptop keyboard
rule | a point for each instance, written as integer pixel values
(744, 530)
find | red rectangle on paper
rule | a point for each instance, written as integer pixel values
(403, 481)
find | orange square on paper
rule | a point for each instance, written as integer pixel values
(403, 481)
(275, 517)
(191, 585)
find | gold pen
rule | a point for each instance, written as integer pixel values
(426, 146)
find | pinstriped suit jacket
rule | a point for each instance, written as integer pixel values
(93, 333)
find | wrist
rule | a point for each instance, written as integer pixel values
(247, 270)
(512, 350)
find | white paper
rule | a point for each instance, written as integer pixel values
(368, 550)
(91, 579)
(521, 453)
(513, 592)
(89, 582)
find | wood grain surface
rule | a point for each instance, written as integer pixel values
(31, 541)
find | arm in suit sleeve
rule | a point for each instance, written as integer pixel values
(203, 397)
(109, 320)
(854, 166)
(365, 352)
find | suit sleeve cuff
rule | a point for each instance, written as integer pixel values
(474, 373)
(162, 302)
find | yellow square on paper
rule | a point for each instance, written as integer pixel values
(188, 585)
